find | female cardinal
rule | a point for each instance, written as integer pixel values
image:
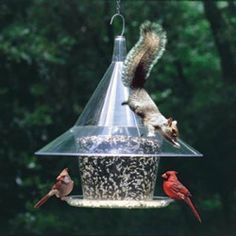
(175, 190)
(63, 186)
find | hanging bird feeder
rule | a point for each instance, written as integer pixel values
(118, 163)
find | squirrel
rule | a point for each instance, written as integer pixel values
(136, 69)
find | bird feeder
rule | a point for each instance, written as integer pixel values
(118, 163)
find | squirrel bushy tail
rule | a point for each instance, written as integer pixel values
(144, 55)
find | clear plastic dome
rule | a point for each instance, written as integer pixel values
(106, 128)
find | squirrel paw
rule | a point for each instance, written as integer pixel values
(151, 134)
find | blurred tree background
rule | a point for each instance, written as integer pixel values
(52, 56)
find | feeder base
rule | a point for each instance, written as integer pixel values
(156, 202)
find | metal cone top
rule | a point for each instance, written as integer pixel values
(108, 128)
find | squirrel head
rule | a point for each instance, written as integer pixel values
(170, 131)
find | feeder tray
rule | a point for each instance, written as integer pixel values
(118, 163)
(156, 202)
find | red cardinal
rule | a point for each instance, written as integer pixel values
(175, 190)
(63, 186)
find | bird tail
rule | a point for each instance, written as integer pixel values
(193, 208)
(42, 201)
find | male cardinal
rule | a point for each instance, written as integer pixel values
(175, 190)
(63, 186)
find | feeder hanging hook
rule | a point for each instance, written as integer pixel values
(120, 15)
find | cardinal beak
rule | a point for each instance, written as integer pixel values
(164, 176)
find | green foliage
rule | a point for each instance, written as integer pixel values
(52, 56)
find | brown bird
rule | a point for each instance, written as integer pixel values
(176, 190)
(137, 67)
(63, 186)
